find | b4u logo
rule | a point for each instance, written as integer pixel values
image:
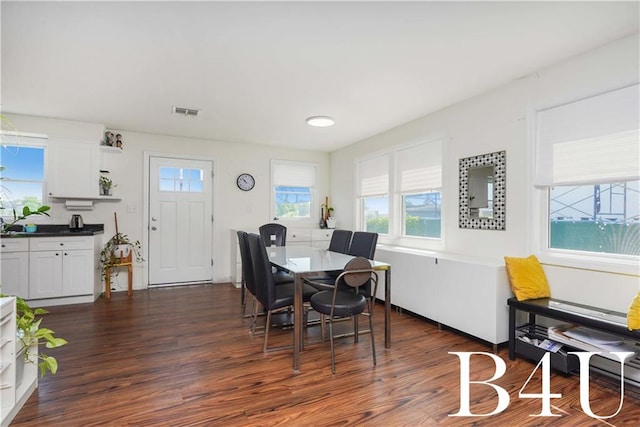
(545, 394)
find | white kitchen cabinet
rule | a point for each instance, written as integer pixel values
(12, 395)
(14, 267)
(61, 267)
(74, 169)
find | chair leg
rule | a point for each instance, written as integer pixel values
(333, 354)
(373, 342)
(254, 316)
(266, 331)
(356, 328)
(323, 324)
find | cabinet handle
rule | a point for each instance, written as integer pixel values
(57, 254)
(65, 254)
(61, 244)
(3, 245)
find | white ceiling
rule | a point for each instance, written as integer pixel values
(257, 70)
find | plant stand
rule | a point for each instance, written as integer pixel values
(116, 263)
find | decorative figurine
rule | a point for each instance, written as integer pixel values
(119, 141)
(109, 139)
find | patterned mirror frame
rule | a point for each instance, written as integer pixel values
(499, 162)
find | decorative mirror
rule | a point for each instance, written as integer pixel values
(483, 191)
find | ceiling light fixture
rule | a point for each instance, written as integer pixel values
(320, 121)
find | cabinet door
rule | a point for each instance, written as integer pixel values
(74, 169)
(77, 272)
(14, 273)
(45, 274)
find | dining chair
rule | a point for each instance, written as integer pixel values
(273, 234)
(340, 240)
(273, 298)
(363, 243)
(342, 303)
(248, 281)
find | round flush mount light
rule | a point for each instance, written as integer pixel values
(320, 121)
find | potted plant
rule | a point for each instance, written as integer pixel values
(26, 212)
(117, 247)
(106, 184)
(30, 332)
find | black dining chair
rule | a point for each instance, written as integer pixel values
(273, 234)
(347, 302)
(363, 243)
(340, 240)
(273, 298)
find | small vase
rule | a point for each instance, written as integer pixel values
(106, 191)
(331, 222)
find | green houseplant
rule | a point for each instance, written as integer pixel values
(106, 184)
(30, 331)
(116, 247)
(26, 212)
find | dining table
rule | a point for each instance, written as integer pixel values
(304, 261)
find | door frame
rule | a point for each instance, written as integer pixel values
(145, 204)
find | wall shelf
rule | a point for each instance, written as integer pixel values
(110, 149)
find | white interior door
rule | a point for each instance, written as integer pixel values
(180, 221)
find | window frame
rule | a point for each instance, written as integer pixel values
(32, 140)
(314, 206)
(538, 199)
(397, 235)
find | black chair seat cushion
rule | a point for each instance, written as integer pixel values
(280, 278)
(347, 303)
(285, 292)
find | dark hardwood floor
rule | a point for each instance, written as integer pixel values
(183, 356)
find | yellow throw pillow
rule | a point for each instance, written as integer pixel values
(527, 278)
(633, 315)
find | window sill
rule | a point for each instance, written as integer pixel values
(620, 264)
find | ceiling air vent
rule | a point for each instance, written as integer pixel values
(193, 112)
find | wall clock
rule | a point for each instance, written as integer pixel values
(245, 182)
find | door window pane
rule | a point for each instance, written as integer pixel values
(181, 180)
(21, 178)
(376, 214)
(421, 213)
(601, 218)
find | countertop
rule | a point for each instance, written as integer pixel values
(55, 230)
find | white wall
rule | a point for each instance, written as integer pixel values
(233, 208)
(497, 121)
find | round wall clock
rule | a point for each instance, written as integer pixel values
(245, 182)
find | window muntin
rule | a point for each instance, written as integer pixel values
(292, 202)
(293, 194)
(421, 214)
(22, 178)
(603, 218)
(181, 180)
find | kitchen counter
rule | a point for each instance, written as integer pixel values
(55, 230)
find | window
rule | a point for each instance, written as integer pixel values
(587, 164)
(419, 174)
(293, 193)
(596, 218)
(400, 194)
(183, 180)
(22, 174)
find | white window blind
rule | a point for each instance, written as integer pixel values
(373, 176)
(596, 139)
(420, 167)
(293, 174)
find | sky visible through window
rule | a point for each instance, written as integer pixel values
(23, 174)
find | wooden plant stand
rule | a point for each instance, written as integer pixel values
(116, 263)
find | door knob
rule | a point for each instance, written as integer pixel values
(153, 218)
